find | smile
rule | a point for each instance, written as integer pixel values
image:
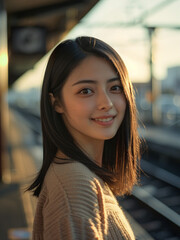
(103, 119)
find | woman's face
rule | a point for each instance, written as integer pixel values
(93, 104)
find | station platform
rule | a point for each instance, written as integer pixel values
(162, 135)
(17, 207)
(161, 146)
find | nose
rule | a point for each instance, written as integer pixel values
(104, 102)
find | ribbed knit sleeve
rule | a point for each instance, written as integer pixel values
(71, 206)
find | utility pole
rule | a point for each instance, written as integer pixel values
(151, 75)
(154, 86)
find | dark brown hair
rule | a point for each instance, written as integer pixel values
(121, 153)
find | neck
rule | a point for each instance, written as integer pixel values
(93, 149)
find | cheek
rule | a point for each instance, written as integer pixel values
(121, 103)
(78, 108)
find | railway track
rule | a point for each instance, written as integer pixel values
(155, 204)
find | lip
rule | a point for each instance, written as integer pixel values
(106, 122)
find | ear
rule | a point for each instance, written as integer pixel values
(56, 104)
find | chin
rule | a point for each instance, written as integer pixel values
(108, 137)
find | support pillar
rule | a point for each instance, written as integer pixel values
(3, 83)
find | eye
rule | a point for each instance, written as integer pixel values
(117, 89)
(86, 91)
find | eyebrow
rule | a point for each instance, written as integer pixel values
(95, 82)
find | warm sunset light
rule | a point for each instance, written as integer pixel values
(3, 59)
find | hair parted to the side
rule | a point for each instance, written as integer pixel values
(121, 153)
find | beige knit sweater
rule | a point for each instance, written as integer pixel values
(75, 204)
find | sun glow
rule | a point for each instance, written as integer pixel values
(3, 59)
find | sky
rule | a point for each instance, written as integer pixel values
(121, 23)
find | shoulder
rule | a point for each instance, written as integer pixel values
(70, 176)
(74, 185)
(70, 170)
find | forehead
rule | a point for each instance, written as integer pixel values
(92, 68)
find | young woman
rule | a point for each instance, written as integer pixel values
(90, 144)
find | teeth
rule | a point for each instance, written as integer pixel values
(103, 119)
